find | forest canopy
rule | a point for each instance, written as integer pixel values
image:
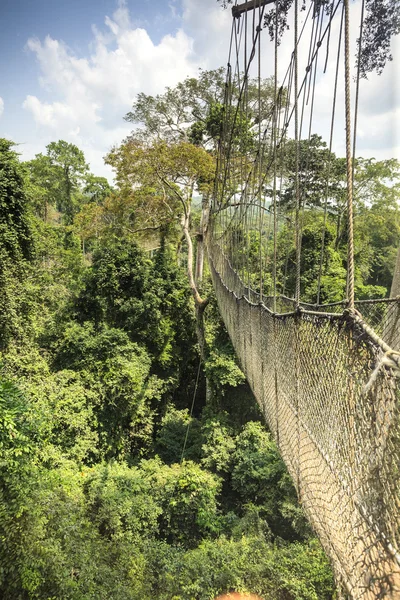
(134, 461)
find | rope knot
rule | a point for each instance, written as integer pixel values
(388, 360)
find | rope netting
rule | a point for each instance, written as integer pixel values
(338, 432)
(326, 376)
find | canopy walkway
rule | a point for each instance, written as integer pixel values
(325, 376)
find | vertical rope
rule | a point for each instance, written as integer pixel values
(298, 249)
(296, 137)
(321, 259)
(357, 89)
(261, 212)
(350, 233)
(246, 197)
(275, 171)
(191, 411)
(350, 242)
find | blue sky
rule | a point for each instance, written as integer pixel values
(70, 70)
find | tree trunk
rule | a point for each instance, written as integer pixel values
(199, 258)
(338, 223)
(199, 302)
(200, 242)
(193, 287)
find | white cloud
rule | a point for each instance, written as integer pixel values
(95, 92)
(111, 78)
(85, 97)
(49, 115)
(1, 106)
(210, 28)
(379, 95)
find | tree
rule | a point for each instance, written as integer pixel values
(15, 227)
(71, 171)
(377, 219)
(89, 221)
(43, 183)
(160, 178)
(382, 22)
(181, 113)
(96, 189)
(260, 477)
(193, 111)
(17, 246)
(187, 495)
(321, 175)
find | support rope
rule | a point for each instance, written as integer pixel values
(350, 233)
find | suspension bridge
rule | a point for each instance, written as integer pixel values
(326, 375)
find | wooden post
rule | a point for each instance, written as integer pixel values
(238, 10)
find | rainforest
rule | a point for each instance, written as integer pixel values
(134, 460)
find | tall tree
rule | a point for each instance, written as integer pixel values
(160, 179)
(16, 238)
(193, 110)
(72, 168)
(43, 184)
(96, 189)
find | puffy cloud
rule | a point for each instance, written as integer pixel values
(49, 115)
(85, 97)
(110, 78)
(210, 27)
(95, 92)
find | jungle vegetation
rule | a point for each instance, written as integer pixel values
(134, 462)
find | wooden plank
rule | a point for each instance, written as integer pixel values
(250, 5)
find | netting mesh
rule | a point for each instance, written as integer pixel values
(332, 402)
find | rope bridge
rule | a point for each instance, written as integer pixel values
(326, 376)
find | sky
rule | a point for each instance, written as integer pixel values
(71, 70)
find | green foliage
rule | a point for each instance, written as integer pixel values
(15, 433)
(94, 502)
(190, 102)
(223, 371)
(145, 298)
(188, 498)
(118, 371)
(121, 502)
(70, 165)
(321, 174)
(218, 446)
(96, 189)
(175, 426)
(67, 409)
(15, 227)
(259, 476)
(248, 565)
(16, 242)
(382, 22)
